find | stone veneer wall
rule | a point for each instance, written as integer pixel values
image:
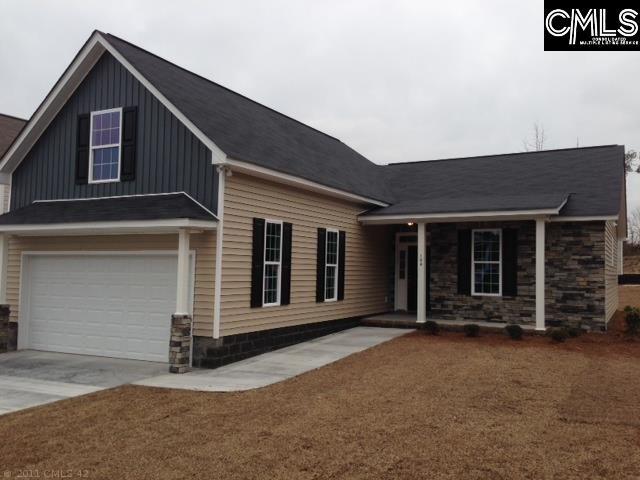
(445, 301)
(575, 286)
(575, 291)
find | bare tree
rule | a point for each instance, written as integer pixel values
(633, 226)
(538, 140)
(630, 158)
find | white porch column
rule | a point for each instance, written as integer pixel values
(4, 258)
(422, 294)
(540, 243)
(620, 256)
(182, 291)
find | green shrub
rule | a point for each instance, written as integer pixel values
(632, 319)
(431, 328)
(471, 330)
(574, 332)
(515, 332)
(558, 334)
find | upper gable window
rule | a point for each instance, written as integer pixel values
(106, 138)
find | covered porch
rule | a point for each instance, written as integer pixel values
(485, 267)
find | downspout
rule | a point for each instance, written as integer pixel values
(217, 295)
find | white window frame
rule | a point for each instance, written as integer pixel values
(92, 148)
(473, 262)
(327, 264)
(265, 263)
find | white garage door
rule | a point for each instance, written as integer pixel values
(107, 305)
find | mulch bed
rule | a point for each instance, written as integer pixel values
(416, 407)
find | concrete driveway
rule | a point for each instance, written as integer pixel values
(29, 378)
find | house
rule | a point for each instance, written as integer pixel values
(157, 215)
(9, 128)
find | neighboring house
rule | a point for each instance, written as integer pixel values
(9, 129)
(146, 200)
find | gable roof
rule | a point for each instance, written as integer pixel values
(248, 131)
(589, 179)
(575, 182)
(9, 129)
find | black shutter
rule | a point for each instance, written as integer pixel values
(464, 262)
(129, 134)
(510, 262)
(320, 264)
(341, 262)
(428, 272)
(285, 283)
(257, 262)
(82, 148)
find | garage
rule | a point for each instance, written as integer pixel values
(112, 305)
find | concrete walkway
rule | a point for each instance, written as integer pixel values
(29, 378)
(278, 365)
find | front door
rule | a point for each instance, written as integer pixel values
(406, 297)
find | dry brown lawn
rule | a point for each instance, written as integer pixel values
(416, 407)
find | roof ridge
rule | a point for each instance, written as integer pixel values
(219, 85)
(501, 154)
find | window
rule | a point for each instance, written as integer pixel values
(331, 266)
(486, 262)
(272, 263)
(106, 135)
(402, 264)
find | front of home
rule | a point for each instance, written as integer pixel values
(156, 215)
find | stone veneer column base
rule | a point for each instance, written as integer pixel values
(8, 330)
(180, 344)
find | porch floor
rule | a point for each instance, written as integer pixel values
(408, 320)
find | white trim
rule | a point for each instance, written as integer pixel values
(327, 264)
(182, 273)
(271, 262)
(96, 46)
(540, 274)
(92, 148)
(458, 217)
(23, 316)
(473, 262)
(269, 174)
(584, 219)
(217, 289)
(117, 227)
(4, 261)
(421, 306)
(130, 196)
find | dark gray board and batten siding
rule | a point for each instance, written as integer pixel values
(169, 157)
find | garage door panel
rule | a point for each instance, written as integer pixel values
(109, 305)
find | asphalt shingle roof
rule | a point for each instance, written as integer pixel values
(250, 132)
(9, 129)
(144, 207)
(592, 178)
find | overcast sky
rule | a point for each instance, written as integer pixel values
(397, 81)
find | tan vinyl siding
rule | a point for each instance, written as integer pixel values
(367, 252)
(202, 243)
(610, 269)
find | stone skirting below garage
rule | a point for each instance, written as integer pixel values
(213, 353)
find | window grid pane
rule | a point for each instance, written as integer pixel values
(486, 262)
(105, 142)
(332, 248)
(271, 283)
(105, 163)
(272, 256)
(330, 284)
